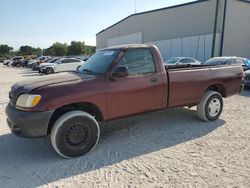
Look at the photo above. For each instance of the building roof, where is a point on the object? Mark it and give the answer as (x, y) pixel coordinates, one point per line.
(165, 8)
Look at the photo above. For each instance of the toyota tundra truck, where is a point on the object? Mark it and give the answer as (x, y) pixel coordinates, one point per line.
(115, 82)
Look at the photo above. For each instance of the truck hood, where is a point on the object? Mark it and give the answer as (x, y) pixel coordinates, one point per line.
(27, 86)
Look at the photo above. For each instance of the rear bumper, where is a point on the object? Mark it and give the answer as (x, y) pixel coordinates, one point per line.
(27, 124)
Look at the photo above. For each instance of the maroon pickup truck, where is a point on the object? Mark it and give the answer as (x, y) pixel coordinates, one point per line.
(115, 82)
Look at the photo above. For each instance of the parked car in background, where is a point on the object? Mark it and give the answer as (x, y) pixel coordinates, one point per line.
(246, 79)
(228, 61)
(245, 64)
(12, 60)
(182, 61)
(35, 64)
(18, 62)
(30, 63)
(61, 65)
(24, 63)
(220, 61)
(2, 59)
(49, 60)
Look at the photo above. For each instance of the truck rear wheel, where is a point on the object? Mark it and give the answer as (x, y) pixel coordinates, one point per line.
(210, 107)
(74, 134)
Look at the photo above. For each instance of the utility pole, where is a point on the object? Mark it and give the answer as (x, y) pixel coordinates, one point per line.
(215, 27)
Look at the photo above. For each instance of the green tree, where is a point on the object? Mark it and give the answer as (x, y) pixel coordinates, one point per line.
(5, 50)
(39, 51)
(76, 48)
(28, 50)
(89, 50)
(60, 49)
(25, 50)
(49, 51)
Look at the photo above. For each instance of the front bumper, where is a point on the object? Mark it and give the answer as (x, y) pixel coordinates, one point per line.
(41, 70)
(34, 68)
(28, 124)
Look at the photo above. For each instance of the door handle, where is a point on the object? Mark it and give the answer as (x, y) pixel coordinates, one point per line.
(153, 80)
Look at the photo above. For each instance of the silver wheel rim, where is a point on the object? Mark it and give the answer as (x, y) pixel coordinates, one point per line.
(49, 71)
(214, 107)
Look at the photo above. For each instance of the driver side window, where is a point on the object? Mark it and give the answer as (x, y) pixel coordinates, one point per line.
(64, 61)
(138, 61)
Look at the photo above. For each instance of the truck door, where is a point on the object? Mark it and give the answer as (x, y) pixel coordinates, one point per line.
(140, 91)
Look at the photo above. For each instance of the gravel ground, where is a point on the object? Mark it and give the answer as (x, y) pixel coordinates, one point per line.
(170, 148)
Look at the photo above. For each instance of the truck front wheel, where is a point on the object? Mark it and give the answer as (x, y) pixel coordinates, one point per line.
(210, 107)
(74, 134)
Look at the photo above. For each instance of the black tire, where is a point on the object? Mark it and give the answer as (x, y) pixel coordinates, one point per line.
(246, 87)
(49, 70)
(210, 107)
(74, 134)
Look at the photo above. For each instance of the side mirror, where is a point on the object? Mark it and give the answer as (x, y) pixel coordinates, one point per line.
(120, 71)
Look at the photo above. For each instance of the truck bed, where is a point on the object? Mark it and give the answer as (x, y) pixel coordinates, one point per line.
(187, 83)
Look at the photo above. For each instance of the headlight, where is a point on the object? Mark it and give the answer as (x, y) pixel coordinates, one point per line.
(28, 101)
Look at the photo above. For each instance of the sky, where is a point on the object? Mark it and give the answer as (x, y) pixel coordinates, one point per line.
(40, 23)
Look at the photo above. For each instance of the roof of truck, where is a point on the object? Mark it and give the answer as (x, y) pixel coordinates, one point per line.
(129, 46)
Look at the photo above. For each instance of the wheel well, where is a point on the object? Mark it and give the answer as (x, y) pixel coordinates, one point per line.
(90, 108)
(219, 88)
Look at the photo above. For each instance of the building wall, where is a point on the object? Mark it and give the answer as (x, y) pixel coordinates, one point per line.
(189, 20)
(198, 47)
(237, 29)
(125, 39)
(180, 31)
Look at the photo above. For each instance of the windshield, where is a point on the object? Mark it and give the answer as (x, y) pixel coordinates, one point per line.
(53, 60)
(172, 60)
(216, 61)
(99, 62)
(58, 60)
(47, 60)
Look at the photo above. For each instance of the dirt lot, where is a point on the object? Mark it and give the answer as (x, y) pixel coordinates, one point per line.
(171, 148)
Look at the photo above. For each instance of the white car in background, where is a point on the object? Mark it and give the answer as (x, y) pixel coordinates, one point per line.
(61, 65)
(182, 61)
(41, 58)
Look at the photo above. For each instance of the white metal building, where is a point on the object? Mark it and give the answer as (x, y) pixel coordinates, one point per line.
(187, 30)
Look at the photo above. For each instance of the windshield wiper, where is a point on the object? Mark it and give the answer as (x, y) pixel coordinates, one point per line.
(89, 71)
